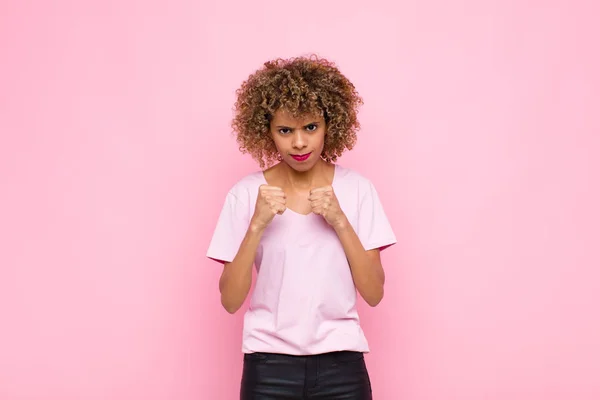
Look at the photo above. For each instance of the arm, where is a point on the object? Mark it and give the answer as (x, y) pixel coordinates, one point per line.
(236, 277)
(367, 271)
(366, 268)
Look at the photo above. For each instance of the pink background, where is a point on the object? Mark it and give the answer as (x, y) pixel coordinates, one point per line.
(481, 130)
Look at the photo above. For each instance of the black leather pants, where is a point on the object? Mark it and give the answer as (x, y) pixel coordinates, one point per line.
(331, 376)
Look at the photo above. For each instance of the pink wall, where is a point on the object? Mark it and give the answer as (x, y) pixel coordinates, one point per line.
(481, 130)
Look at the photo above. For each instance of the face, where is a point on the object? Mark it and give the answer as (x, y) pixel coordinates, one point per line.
(299, 141)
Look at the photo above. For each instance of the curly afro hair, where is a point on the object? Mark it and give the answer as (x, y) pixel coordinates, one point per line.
(302, 86)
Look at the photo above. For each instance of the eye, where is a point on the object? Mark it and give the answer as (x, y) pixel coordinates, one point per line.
(284, 131)
(311, 127)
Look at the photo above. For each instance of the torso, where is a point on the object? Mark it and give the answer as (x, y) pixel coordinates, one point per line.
(304, 298)
(296, 197)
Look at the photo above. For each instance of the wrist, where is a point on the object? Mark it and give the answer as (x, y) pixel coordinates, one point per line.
(256, 227)
(341, 223)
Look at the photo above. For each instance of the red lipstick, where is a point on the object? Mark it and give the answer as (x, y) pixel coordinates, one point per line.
(301, 157)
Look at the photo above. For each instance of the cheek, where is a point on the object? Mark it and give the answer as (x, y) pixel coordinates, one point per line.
(276, 142)
(322, 141)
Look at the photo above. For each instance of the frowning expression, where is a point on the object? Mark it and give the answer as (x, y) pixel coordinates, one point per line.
(299, 141)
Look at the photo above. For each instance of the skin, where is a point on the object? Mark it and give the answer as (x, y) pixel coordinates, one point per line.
(303, 187)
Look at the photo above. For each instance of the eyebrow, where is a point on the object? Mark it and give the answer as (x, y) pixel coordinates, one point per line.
(311, 123)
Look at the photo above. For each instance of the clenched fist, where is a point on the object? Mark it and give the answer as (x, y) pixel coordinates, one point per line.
(324, 202)
(269, 202)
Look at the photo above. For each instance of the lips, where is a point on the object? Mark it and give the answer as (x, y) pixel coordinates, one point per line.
(301, 157)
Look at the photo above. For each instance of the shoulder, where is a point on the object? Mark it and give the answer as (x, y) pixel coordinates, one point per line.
(351, 181)
(246, 188)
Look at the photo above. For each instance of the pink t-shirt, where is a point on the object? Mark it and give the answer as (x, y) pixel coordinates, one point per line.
(304, 299)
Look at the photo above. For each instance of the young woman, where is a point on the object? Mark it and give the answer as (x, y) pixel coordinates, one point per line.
(312, 228)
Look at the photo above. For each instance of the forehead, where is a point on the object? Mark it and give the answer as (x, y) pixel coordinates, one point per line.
(284, 117)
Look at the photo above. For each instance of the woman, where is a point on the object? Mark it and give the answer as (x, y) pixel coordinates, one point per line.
(314, 230)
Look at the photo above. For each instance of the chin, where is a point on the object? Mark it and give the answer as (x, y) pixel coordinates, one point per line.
(303, 166)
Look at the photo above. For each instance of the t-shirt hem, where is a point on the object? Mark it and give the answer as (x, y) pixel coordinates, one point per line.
(367, 351)
(219, 259)
(381, 244)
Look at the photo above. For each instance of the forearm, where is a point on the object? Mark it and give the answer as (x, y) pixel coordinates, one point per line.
(236, 279)
(367, 271)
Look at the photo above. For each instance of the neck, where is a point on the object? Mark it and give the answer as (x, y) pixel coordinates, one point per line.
(303, 180)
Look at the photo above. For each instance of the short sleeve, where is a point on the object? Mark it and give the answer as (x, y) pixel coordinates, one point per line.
(374, 229)
(230, 230)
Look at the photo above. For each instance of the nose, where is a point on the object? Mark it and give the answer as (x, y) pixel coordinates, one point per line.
(299, 140)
